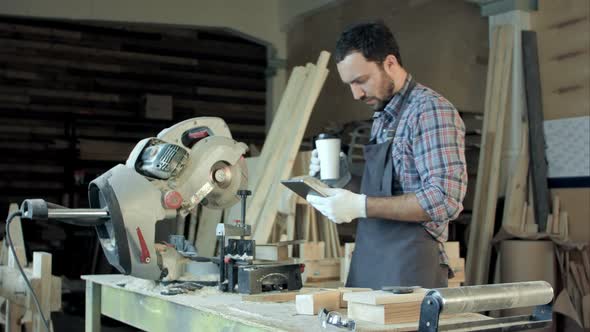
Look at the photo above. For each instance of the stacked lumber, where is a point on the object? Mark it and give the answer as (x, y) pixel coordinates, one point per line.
(385, 307)
(487, 187)
(282, 144)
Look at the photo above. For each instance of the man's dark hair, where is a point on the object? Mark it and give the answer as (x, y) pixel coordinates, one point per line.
(373, 40)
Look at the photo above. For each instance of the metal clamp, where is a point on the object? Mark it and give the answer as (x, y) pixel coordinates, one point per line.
(334, 320)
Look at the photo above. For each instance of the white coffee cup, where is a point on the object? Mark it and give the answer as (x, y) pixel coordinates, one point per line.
(328, 147)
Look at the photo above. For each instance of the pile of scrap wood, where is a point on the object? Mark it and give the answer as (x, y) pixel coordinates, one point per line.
(574, 299)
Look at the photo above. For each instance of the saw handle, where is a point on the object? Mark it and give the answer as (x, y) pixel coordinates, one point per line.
(39, 209)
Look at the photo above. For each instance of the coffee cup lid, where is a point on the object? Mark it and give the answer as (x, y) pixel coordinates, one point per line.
(326, 136)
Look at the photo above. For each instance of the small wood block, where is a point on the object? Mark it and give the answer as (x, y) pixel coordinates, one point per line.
(459, 276)
(321, 270)
(457, 263)
(312, 250)
(393, 313)
(278, 297)
(549, 227)
(452, 249)
(563, 224)
(531, 228)
(344, 303)
(382, 297)
(272, 252)
(310, 304)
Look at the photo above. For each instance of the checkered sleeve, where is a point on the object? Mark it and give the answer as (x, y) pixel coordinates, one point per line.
(439, 150)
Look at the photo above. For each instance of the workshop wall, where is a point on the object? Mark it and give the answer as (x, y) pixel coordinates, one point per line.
(563, 30)
(444, 44)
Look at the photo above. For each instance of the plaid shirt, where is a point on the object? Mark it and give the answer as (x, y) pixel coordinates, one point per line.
(428, 154)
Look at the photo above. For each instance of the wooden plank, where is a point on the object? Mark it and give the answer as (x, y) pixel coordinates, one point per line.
(300, 114)
(581, 276)
(321, 270)
(536, 135)
(586, 310)
(277, 297)
(313, 223)
(326, 235)
(382, 297)
(335, 240)
(563, 224)
(55, 294)
(312, 250)
(500, 108)
(345, 261)
(310, 304)
(14, 315)
(395, 313)
(276, 141)
(516, 190)
(485, 150)
(261, 187)
(207, 223)
(452, 249)
(272, 252)
(489, 164)
(42, 271)
(343, 290)
(555, 215)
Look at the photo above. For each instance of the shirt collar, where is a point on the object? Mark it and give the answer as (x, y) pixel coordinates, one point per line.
(393, 105)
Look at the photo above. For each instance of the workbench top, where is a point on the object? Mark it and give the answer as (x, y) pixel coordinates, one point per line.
(128, 299)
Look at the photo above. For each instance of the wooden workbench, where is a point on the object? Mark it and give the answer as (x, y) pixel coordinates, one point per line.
(139, 303)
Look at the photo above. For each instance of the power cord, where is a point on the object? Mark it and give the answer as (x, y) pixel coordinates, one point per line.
(20, 268)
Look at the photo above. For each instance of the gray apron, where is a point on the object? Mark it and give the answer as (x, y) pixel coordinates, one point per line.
(388, 252)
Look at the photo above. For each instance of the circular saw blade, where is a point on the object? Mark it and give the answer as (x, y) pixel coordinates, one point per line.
(224, 193)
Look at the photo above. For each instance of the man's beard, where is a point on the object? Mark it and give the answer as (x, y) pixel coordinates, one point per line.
(381, 103)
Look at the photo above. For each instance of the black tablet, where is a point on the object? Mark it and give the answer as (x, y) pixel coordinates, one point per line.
(305, 185)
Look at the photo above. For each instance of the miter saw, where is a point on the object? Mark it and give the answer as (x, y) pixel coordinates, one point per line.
(193, 162)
